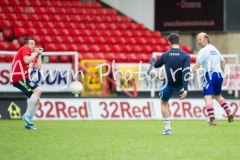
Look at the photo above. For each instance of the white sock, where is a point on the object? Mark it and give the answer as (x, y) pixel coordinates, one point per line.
(34, 111)
(31, 104)
(166, 122)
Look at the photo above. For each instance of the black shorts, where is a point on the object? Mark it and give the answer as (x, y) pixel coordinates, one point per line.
(26, 86)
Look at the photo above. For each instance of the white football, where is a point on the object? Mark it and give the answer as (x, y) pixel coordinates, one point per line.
(76, 87)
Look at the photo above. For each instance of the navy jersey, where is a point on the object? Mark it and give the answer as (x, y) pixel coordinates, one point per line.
(177, 66)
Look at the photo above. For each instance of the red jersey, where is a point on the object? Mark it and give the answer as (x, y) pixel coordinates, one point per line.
(19, 68)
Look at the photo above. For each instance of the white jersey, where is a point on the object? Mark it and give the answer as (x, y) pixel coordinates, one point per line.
(210, 58)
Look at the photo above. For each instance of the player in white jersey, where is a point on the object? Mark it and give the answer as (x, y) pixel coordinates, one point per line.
(210, 59)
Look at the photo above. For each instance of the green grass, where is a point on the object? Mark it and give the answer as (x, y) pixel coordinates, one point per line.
(119, 140)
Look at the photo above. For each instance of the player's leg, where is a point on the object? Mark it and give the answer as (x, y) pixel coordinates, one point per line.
(165, 95)
(208, 91)
(221, 100)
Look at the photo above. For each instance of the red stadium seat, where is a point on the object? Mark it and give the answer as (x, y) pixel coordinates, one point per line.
(50, 10)
(50, 47)
(115, 48)
(116, 18)
(53, 58)
(9, 58)
(94, 48)
(37, 24)
(157, 48)
(44, 17)
(131, 26)
(146, 33)
(46, 3)
(31, 31)
(193, 59)
(8, 9)
(111, 11)
(1, 38)
(87, 56)
(86, 18)
(19, 31)
(126, 33)
(57, 4)
(76, 4)
(91, 11)
(3, 16)
(14, 2)
(63, 32)
(120, 57)
(28, 24)
(84, 32)
(136, 33)
(140, 26)
(70, 25)
(55, 18)
(130, 40)
(57, 39)
(136, 49)
(81, 11)
(29, 10)
(106, 19)
(111, 26)
(14, 46)
(104, 48)
(156, 34)
(100, 26)
(80, 26)
(96, 18)
(73, 47)
(4, 46)
(36, 38)
(126, 48)
(131, 57)
(110, 56)
(78, 40)
(48, 25)
(8, 33)
(4, 2)
(36, 3)
(39, 10)
(142, 57)
(120, 40)
(115, 33)
(18, 9)
(53, 31)
(99, 55)
(105, 33)
(22, 17)
(67, 4)
(4, 24)
(151, 40)
(58, 25)
(146, 49)
(83, 48)
(89, 40)
(96, 5)
(65, 18)
(187, 49)
(141, 40)
(165, 48)
(42, 31)
(110, 40)
(125, 19)
(99, 40)
(16, 24)
(46, 39)
(75, 18)
(121, 26)
(64, 58)
(12, 16)
(86, 4)
(60, 10)
(101, 11)
(67, 39)
(95, 33)
(2, 58)
(161, 41)
(33, 17)
(25, 3)
(62, 47)
(71, 10)
(90, 26)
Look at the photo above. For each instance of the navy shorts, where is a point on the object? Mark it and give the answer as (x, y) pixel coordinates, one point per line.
(166, 93)
(212, 83)
(26, 86)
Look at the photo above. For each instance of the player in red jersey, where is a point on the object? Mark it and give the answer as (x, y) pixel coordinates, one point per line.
(28, 57)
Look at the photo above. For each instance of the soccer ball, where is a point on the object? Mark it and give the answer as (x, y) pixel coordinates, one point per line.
(76, 87)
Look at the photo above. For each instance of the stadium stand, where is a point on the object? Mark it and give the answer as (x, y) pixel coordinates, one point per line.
(86, 27)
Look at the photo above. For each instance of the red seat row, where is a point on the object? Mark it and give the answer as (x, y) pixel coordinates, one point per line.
(47, 3)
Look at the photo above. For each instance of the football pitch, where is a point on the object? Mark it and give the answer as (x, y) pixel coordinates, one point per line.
(119, 140)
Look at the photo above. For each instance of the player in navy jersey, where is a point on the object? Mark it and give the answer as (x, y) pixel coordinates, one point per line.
(210, 59)
(177, 70)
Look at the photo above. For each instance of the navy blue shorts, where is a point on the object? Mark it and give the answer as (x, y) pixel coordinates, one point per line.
(166, 93)
(26, 86)
(212, 83)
